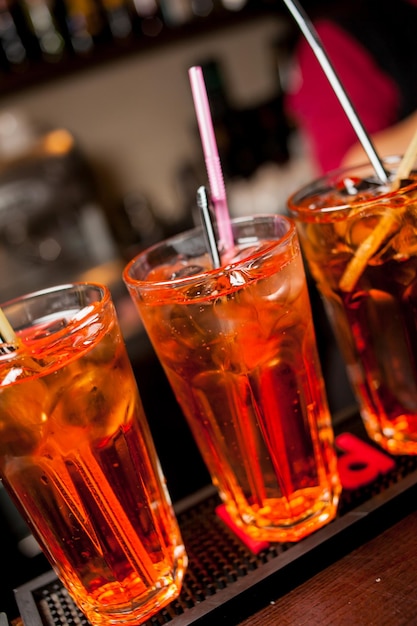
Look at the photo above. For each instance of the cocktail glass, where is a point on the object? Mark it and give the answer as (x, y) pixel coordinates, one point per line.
(77, 458)
(360, 242)
(238, 347)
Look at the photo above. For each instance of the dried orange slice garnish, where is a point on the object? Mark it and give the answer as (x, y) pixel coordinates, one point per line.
(368, 248)
(371, 244)
(6, 331)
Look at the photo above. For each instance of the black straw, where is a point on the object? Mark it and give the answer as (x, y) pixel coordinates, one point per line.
(208, 227)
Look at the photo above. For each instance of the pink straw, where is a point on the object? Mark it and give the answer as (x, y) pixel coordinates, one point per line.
(211, 156)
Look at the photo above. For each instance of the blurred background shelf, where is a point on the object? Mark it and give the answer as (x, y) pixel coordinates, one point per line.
(41, 41)
(99, 151)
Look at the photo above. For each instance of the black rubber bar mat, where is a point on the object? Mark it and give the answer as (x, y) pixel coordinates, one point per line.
(226, 582)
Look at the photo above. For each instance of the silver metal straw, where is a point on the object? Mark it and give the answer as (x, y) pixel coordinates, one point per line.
(203, 205)
(310, 33)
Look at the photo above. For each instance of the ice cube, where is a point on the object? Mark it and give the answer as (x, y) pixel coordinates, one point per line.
(283, 286)
(197, 326)
(187, 270)
(77, 396)
(23, 409)
(238, 278)
(203, 289)
(103, 351)
(246, 252)
(405, 243)
(179, 267)
(321, 236)
(354, 186)
(361, 225)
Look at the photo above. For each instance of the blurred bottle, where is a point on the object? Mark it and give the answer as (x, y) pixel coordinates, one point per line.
(136, 225)
(230, 125)
(188, 178)
(176, 12)
(221, 110)
(85, 24)
(246, 137)
(119, 18)
(234, 5)
(149, 20)
(13, 52)
(43, 25)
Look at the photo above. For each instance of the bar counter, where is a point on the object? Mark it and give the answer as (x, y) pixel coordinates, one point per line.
(375, 584)
(359, 569)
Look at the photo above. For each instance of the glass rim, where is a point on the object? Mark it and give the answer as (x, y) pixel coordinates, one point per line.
(24, 300)
(327, 182)
(32, 295)
(283, 240)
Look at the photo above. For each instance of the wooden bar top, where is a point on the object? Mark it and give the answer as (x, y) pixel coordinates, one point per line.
(374, 585)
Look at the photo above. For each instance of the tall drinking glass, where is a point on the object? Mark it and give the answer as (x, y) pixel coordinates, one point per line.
(237, 345)
(360, 241)
(77, 457)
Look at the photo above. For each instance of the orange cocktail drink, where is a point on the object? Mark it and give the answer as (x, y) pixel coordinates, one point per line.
(77, 457)
(360, 241)
(238, 347)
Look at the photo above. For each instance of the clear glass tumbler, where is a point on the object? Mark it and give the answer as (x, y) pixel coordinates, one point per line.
(77, 457)
(360, 241)
(238, 347)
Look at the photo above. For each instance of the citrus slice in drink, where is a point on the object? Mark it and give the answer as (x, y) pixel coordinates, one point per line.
(386, 226)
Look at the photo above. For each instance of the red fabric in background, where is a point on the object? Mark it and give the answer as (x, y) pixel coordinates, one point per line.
(312, 103)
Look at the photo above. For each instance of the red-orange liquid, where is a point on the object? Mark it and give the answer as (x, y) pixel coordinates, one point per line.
(376, 321)
(241, 358)
(76, 455)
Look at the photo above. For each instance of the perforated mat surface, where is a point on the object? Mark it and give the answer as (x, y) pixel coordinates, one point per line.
(225, 581)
